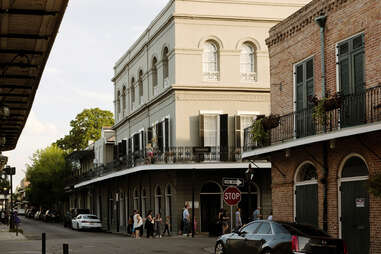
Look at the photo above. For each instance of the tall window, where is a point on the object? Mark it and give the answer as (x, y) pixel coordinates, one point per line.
(247, 62)
(124, 102)
(132, 93)
(136, 199)
(168, 201)
(165, 67)
(210, 61)
(154, 76)
(211, 130)
(118, 103)
(140, 87)
(144, 203)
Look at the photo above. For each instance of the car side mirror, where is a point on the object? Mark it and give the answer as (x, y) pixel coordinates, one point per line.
(242, 233)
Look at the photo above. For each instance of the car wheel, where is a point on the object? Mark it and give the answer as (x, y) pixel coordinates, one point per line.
(266, 252)
(220, 249)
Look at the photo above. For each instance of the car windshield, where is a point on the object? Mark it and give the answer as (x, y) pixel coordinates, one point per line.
(91, 217)
(297, 229)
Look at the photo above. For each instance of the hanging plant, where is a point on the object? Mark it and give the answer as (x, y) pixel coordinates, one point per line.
(323, 105)
(258, 133)
(375, 185)
(270, 122)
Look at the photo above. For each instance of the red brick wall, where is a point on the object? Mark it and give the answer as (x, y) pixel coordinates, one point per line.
(283, 186)
(298, 37)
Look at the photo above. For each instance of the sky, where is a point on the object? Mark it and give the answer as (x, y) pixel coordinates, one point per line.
(93, 35)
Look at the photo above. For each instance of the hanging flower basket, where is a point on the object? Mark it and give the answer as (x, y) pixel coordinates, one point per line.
(270, 122)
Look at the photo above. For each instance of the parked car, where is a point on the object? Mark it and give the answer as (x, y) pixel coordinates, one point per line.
(86, 221)
(51, 216)
(31, 212)
(271, 237)
(76, 211)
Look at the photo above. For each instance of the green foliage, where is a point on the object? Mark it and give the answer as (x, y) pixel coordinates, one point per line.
(47, 174)
(375, 185)
(319, 111)
(258, 132)
(86, 126)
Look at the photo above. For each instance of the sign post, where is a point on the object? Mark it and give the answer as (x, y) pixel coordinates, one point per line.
(232, 196)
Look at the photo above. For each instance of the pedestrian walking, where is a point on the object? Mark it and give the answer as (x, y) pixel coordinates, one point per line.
(186, 220)
(138, 226)
(167, 225)
(149, 224)
(130, 227)
(17, 222)
(238, 219)
(257, 213)
(158, 225)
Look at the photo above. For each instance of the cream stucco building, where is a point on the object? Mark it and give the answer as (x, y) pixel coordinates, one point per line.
(196, 77)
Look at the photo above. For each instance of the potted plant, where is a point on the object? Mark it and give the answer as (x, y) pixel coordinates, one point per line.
(323, 105)
(258, 133)
(270, 122)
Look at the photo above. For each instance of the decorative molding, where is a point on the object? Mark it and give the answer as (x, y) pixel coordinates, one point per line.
(302, 18)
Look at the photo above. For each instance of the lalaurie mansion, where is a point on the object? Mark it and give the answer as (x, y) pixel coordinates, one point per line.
(184, 93)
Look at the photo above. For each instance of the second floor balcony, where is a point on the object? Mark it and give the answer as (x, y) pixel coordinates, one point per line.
(350, 114)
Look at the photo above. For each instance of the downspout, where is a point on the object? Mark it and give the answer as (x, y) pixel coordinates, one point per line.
(321, 21)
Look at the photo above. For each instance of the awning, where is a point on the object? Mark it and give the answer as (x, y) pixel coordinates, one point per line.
(164, 167)
(28, 29)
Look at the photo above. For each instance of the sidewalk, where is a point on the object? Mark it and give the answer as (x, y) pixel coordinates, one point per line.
(6, 235)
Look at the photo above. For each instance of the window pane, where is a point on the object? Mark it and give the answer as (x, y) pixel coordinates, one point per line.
(299, 74)
(310, 69)
(210, 131)
(343, 48)
(358, 42)
(251, 228)
(265, 228)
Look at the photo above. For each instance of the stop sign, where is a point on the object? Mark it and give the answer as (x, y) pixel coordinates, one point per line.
(232, 195)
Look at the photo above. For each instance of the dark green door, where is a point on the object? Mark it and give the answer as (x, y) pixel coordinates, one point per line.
(352, 81)
(355, 216)
(307, 204)
(210, 205)
(304, 91)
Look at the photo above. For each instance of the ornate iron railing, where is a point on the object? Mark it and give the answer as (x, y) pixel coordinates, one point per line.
(355, 109)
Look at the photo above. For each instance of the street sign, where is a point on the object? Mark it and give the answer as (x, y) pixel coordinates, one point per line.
(239, 182)
(232, 195)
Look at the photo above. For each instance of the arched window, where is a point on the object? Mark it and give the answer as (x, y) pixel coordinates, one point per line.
(168, 201)
(306, 173)
(132, 92)
(124, 101)
(247, 62)
(136, 199)
(118, 103)
(210, 60)
(158, 198)
(165, 67)
(140, 87)
(154, 76)
(354, 167)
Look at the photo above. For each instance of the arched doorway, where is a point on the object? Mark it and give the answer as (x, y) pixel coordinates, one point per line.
(168, 202)
(250, 200)
(210, 199)
(306, 195)
(354, 205)
(158, 198)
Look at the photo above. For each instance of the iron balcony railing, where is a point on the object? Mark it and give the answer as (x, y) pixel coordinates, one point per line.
(355, 109)
(172, 155)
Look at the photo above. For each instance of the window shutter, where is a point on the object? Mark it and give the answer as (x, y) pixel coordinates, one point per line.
(124, 147)
(201, 129)
(358, 72)
(130, 146)
(149, 135)
(224, 142)
(136, 142)
(115, 152)
(159, 134)
(299, 88)
(120, 149)
(237, 127)
(166, 134)
(142, 140)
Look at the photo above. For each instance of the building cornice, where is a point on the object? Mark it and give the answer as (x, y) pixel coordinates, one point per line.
(245, 2)
(303, 18)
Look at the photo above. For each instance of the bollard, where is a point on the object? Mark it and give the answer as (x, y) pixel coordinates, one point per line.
(65, 248)
(43, 243)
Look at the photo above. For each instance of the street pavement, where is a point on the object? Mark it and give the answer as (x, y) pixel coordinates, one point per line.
(98, 242)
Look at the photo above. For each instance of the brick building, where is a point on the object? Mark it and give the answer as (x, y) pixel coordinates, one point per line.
(323, 153)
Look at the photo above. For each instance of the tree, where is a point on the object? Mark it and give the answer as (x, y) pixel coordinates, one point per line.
(47, 174)
(86, 126)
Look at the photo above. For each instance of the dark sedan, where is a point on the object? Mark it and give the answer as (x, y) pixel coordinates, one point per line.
(272, 237)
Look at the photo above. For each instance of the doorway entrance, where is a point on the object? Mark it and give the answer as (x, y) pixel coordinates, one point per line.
(354, 198)
(210, 204)
(306, 195)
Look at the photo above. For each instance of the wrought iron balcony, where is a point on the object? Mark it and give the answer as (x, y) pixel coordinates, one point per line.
(171, 155)
(353, 110)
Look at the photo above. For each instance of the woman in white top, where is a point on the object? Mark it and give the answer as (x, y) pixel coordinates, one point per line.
(138, 224)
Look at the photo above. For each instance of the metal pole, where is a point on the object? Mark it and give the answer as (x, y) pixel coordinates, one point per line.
(11, 224)
(43, 249)
(231, 219)
(65, 248)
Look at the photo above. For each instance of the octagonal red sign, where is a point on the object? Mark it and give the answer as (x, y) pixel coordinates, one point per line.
(232, 195)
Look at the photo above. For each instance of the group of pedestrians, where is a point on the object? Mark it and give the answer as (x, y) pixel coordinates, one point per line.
(152, 224)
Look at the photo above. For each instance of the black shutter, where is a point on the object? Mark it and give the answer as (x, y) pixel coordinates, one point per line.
(136, 143)
(166, 134)
(149, 135)
(115, 155)
(143, 140)
(129, 145)
(120, 152)
(201, 129)
(237, 131)
(159, 135)
(224, 142)
(124, 147)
